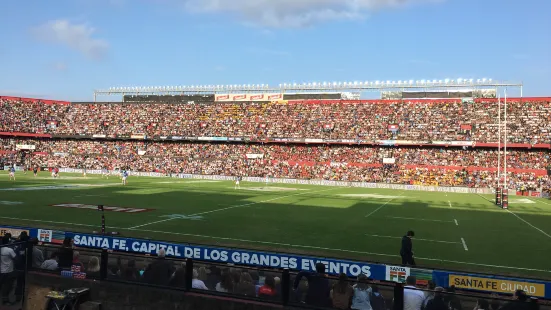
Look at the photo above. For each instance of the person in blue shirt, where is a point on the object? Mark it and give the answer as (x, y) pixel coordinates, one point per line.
(12, 173)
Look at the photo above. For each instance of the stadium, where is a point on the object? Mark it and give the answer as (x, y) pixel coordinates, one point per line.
(304, 170)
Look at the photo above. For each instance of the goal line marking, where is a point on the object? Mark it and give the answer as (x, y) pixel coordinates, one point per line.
(291, 245)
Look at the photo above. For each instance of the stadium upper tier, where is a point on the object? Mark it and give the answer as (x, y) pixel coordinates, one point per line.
(420, 121)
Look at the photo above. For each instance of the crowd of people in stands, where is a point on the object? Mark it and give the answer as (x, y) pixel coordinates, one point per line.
(412, 165)
(529, 121)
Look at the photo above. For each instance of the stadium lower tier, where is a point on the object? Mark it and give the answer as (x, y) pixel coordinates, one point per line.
(405, 165)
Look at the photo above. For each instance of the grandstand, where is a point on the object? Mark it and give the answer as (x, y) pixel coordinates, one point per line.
(326, 172)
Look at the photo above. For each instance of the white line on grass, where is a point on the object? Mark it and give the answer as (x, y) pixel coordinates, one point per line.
(538, 201)
(233, 207)
(464, 244)
(291, 245)
(43, 221)
(520, 218)
(456, 223)
(416, 219)
(428, 240)
(383, 205)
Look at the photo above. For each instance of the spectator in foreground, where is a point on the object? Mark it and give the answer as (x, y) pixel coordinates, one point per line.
(482, 304)
(377, 299)
(76, 260)
(7, 270)
(429, 294)
(38, 255)
(226, 283)
(178, 279)
(342, 293)
(413, 297)
(246, 285)
(50, 264)
(130, 273)
(518, 302)
(268, 290)
(93, 267)
(452, 300)
(362, 294)
(196, 283)
(66, 254)
(318, 286)
(437, 302)
(159, 271)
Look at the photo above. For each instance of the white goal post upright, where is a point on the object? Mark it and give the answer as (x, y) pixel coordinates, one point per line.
(498, 140)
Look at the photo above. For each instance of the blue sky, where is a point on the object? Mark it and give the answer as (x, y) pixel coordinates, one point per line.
(65, 49)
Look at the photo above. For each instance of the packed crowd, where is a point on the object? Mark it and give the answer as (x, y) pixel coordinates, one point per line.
(529, 121)
(412, 165)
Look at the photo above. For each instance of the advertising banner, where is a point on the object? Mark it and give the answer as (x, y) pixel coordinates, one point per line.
(212, 139)
(254, 156)
(397, 273)
(15, 232)
(389, 160)
(24, 147)
(138, 136)
(496, 285)
(233, 256)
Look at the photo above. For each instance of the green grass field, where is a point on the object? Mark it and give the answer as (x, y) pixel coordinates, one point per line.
(453, 231)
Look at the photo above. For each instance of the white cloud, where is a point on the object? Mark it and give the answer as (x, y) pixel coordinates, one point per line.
(59, 66)
(295, 13)
(78, 37)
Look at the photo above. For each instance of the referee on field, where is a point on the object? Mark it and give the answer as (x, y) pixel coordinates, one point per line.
(407, 249)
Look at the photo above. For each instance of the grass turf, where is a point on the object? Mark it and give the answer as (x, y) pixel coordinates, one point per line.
(353, 223)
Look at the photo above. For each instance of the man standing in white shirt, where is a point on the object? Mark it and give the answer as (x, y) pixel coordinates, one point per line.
(413, 297)
(7, 275)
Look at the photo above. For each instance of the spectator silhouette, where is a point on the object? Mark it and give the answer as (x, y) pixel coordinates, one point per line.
(318, 286)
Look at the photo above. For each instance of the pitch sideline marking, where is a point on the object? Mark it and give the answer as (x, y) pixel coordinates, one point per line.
(291, 245)
(384, 205)
(416, 219)
(464, 244)
(232, 207)
(428, 240)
